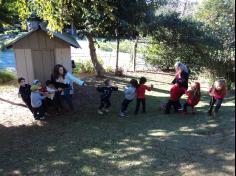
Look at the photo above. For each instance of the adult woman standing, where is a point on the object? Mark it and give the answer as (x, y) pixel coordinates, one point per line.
(182, 75)
(63, 81)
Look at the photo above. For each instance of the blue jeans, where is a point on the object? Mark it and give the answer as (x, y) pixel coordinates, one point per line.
(217, 102)
(68, 98)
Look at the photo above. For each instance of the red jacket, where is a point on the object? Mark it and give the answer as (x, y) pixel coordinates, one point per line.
(141, 90)
(192, 100)
(218, 94)
(176, 92)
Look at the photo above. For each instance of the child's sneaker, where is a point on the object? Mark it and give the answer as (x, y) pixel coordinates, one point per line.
(100, 112)
(122, 114)
(163, 106)
(42, 118)
(106, 110)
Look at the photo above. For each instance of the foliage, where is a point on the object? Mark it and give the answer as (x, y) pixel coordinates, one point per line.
(6, 76)
(84, 67)
(179, 39)
(220, 16)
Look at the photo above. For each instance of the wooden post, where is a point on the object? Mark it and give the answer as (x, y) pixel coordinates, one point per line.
(135, 54)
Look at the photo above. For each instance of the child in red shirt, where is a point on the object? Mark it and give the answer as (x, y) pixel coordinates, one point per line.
(175, 93)
(217, 92)
(194, 96)
(141, 90)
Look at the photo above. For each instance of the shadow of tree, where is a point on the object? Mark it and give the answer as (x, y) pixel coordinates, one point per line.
(152, 144)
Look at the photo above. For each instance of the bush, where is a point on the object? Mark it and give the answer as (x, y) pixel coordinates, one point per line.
(6, 76)
(110, 70)
(105, 46)
(84, 67)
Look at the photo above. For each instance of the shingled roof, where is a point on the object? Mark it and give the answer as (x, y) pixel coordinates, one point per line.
(62, 36)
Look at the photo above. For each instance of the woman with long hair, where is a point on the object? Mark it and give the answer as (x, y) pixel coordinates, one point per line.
(63, 81)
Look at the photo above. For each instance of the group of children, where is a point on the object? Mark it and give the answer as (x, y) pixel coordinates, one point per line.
(137, 90)
(36, 97)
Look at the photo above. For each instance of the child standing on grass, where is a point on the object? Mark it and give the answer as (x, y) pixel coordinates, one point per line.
(217, 92)
(130, 93)
(106, 92)
(141, 91)
(37, 103)
(24, 93)
(54, 95)
(175, 93)
(194, 96)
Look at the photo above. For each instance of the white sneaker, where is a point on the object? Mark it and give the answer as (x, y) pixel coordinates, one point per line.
(100, 112)
(106, 110)
(122, 114)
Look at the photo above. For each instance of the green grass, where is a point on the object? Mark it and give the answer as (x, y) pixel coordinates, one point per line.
(153, 144)
(6, 76)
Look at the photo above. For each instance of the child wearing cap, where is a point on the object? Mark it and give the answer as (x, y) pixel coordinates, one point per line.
(37, 103)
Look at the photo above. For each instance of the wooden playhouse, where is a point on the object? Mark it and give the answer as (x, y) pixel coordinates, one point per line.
(36, 53)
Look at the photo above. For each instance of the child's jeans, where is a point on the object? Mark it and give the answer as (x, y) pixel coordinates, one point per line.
(217, 102)
(125, 105)
(39, 112)
(105, 103)
(28, 103)
(139, 101)
(68, 98)
(171, 103)
(186, 105)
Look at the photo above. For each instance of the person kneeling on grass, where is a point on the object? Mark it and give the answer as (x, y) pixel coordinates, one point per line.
(175, 94)
(141, 91)
(130, 94)
(106, 92)
(217, 92)
(194, 96)
(37, 103)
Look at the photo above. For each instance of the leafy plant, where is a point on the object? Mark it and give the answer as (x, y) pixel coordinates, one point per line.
(6, 76)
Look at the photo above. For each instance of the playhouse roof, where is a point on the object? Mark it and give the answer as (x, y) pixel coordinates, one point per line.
(62, 36)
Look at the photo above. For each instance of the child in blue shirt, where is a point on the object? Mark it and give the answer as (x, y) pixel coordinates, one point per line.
(130, 95)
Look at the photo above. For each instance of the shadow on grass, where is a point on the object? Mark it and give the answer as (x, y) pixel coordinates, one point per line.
(151, 144)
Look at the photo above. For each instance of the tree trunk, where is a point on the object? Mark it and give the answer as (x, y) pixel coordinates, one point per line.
(135, 54)
(100, 71)
(117, 55)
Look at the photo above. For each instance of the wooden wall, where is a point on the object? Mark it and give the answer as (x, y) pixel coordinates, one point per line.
(24, 65)
(63, 57)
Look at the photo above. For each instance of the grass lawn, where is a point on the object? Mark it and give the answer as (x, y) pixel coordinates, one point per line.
(87, 144)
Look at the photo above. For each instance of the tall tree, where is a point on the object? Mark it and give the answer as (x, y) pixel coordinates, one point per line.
(90, 17)
(220, 16)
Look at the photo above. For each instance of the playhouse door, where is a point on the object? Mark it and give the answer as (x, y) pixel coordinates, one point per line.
(43, 63)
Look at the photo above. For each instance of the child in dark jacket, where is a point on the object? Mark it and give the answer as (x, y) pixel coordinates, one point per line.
(175, 93)
(106, 92)
(24, 93)
(141, 91)
(194, 96)
(130, 94)
(217, 92)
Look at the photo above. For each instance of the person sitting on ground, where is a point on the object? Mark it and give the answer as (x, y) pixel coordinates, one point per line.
(217, 92)
(54, 95)
(141, 91)
(106, 92)
(175, 93)
(37, 103)
(63, 80)
(24, 93)
(194, 96)
(130, 94)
